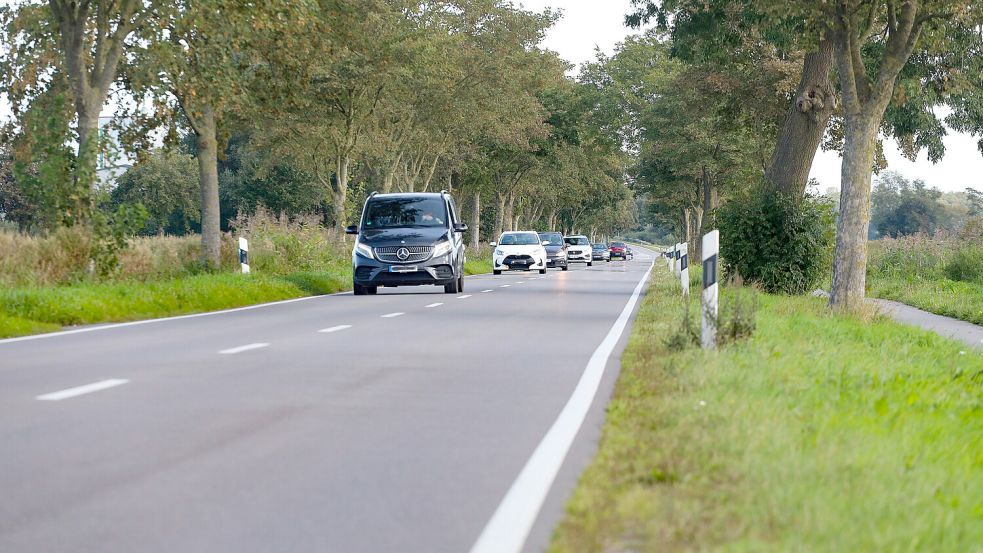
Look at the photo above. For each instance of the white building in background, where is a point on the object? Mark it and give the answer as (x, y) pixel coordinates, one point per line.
(115, 162)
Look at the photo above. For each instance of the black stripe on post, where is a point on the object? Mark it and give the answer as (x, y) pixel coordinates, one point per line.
(243, 257)
(709, 271)
(684, 262)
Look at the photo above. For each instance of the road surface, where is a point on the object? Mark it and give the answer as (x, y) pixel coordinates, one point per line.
(398, 422)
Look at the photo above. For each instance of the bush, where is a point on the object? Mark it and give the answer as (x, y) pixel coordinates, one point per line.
(966, 265)
(783, 245)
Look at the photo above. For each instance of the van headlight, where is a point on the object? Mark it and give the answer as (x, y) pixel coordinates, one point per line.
(364, 250)
(442, 248)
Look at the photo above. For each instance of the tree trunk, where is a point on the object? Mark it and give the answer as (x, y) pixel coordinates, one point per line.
(340, 192)
(389, 177)
(509, 207)
(433, 167)
(211, 230)
(499, 216)
(805, 124)
(475, 227)
(551, 220)
(850, 262)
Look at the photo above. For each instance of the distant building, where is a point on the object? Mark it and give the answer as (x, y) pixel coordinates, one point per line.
(114, 163)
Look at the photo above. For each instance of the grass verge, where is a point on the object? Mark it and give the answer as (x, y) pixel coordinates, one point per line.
(960, 300)
(32, 310)
(819, 433)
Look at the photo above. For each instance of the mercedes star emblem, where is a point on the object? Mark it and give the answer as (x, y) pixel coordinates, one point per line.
(402, 253)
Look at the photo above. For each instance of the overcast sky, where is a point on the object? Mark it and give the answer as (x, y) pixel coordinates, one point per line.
(590, 24)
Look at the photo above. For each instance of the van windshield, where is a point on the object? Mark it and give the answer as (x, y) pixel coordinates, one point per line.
(384, 213)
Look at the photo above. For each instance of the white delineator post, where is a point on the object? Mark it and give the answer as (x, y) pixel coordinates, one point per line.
(684, 268)
(244, 255)
(711, 292)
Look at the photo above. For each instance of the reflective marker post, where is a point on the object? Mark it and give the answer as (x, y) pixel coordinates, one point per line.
(675, 260)
(684, 268)
(244, 255)
(711, 247)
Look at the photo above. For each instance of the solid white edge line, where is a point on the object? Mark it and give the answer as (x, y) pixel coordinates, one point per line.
(509, 526)
(247, 347)
(335, 328)
(391, 315)
(80, 390)
(438, 304)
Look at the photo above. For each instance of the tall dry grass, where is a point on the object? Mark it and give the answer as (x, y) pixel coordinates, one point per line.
(949, 255)
(278, 246)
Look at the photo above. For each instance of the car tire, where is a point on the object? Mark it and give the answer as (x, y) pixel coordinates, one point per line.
(358, 290)
(566, 267)
(452, 288)
(371, 290)
(460, 283)
(496, 272)
(590, 264)
(542, 271)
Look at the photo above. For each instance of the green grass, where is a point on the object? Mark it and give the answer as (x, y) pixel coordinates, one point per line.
(961, 300)
(31, 310)
(820, 433)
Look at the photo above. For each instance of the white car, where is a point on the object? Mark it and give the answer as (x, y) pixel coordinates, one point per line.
(522, 251)
(579, 249)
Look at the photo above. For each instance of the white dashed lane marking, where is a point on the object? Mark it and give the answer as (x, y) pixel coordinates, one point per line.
(335, 328)
(247, 347)
(391, 315)
(438, 304)
(81, 390)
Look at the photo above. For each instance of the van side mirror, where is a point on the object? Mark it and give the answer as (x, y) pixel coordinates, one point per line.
(460, 227)
(351, 229)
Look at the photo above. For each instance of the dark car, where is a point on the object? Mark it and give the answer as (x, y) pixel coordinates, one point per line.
(619, 249)
(556, 250)
(600, 252)
(408, 240)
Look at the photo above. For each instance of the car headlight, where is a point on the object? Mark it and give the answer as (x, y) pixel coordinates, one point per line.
(442, 248)
(499, 252)
(561, 253)
(364, 250)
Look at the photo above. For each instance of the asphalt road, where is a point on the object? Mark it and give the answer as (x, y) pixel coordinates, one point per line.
(398, 422)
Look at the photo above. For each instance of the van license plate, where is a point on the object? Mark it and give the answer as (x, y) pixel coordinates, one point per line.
(403, 268)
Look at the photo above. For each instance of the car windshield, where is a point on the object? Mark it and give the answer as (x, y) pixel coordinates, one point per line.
(576, 241)
(519, 239)
(600, 247)
(554, 238)
(405, 212)
(617, 244)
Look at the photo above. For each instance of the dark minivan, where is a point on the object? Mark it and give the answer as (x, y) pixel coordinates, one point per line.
(408, 239)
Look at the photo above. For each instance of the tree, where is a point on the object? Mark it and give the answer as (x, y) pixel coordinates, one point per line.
(192, 63)
(81, 40)
(165, 182)
(900, 207)
(721, 33)
(975, 198)
(895, 30)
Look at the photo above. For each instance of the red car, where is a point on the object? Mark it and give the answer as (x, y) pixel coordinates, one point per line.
(619, 249)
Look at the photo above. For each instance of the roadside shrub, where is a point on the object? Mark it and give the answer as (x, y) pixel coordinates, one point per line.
(738, 315)
(783, 245)
(966, 265)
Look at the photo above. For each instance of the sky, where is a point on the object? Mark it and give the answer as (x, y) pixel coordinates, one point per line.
(588, 25)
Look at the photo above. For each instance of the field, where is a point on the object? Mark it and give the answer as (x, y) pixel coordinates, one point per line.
(943, 274)
(819, 433)
(47, 283)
